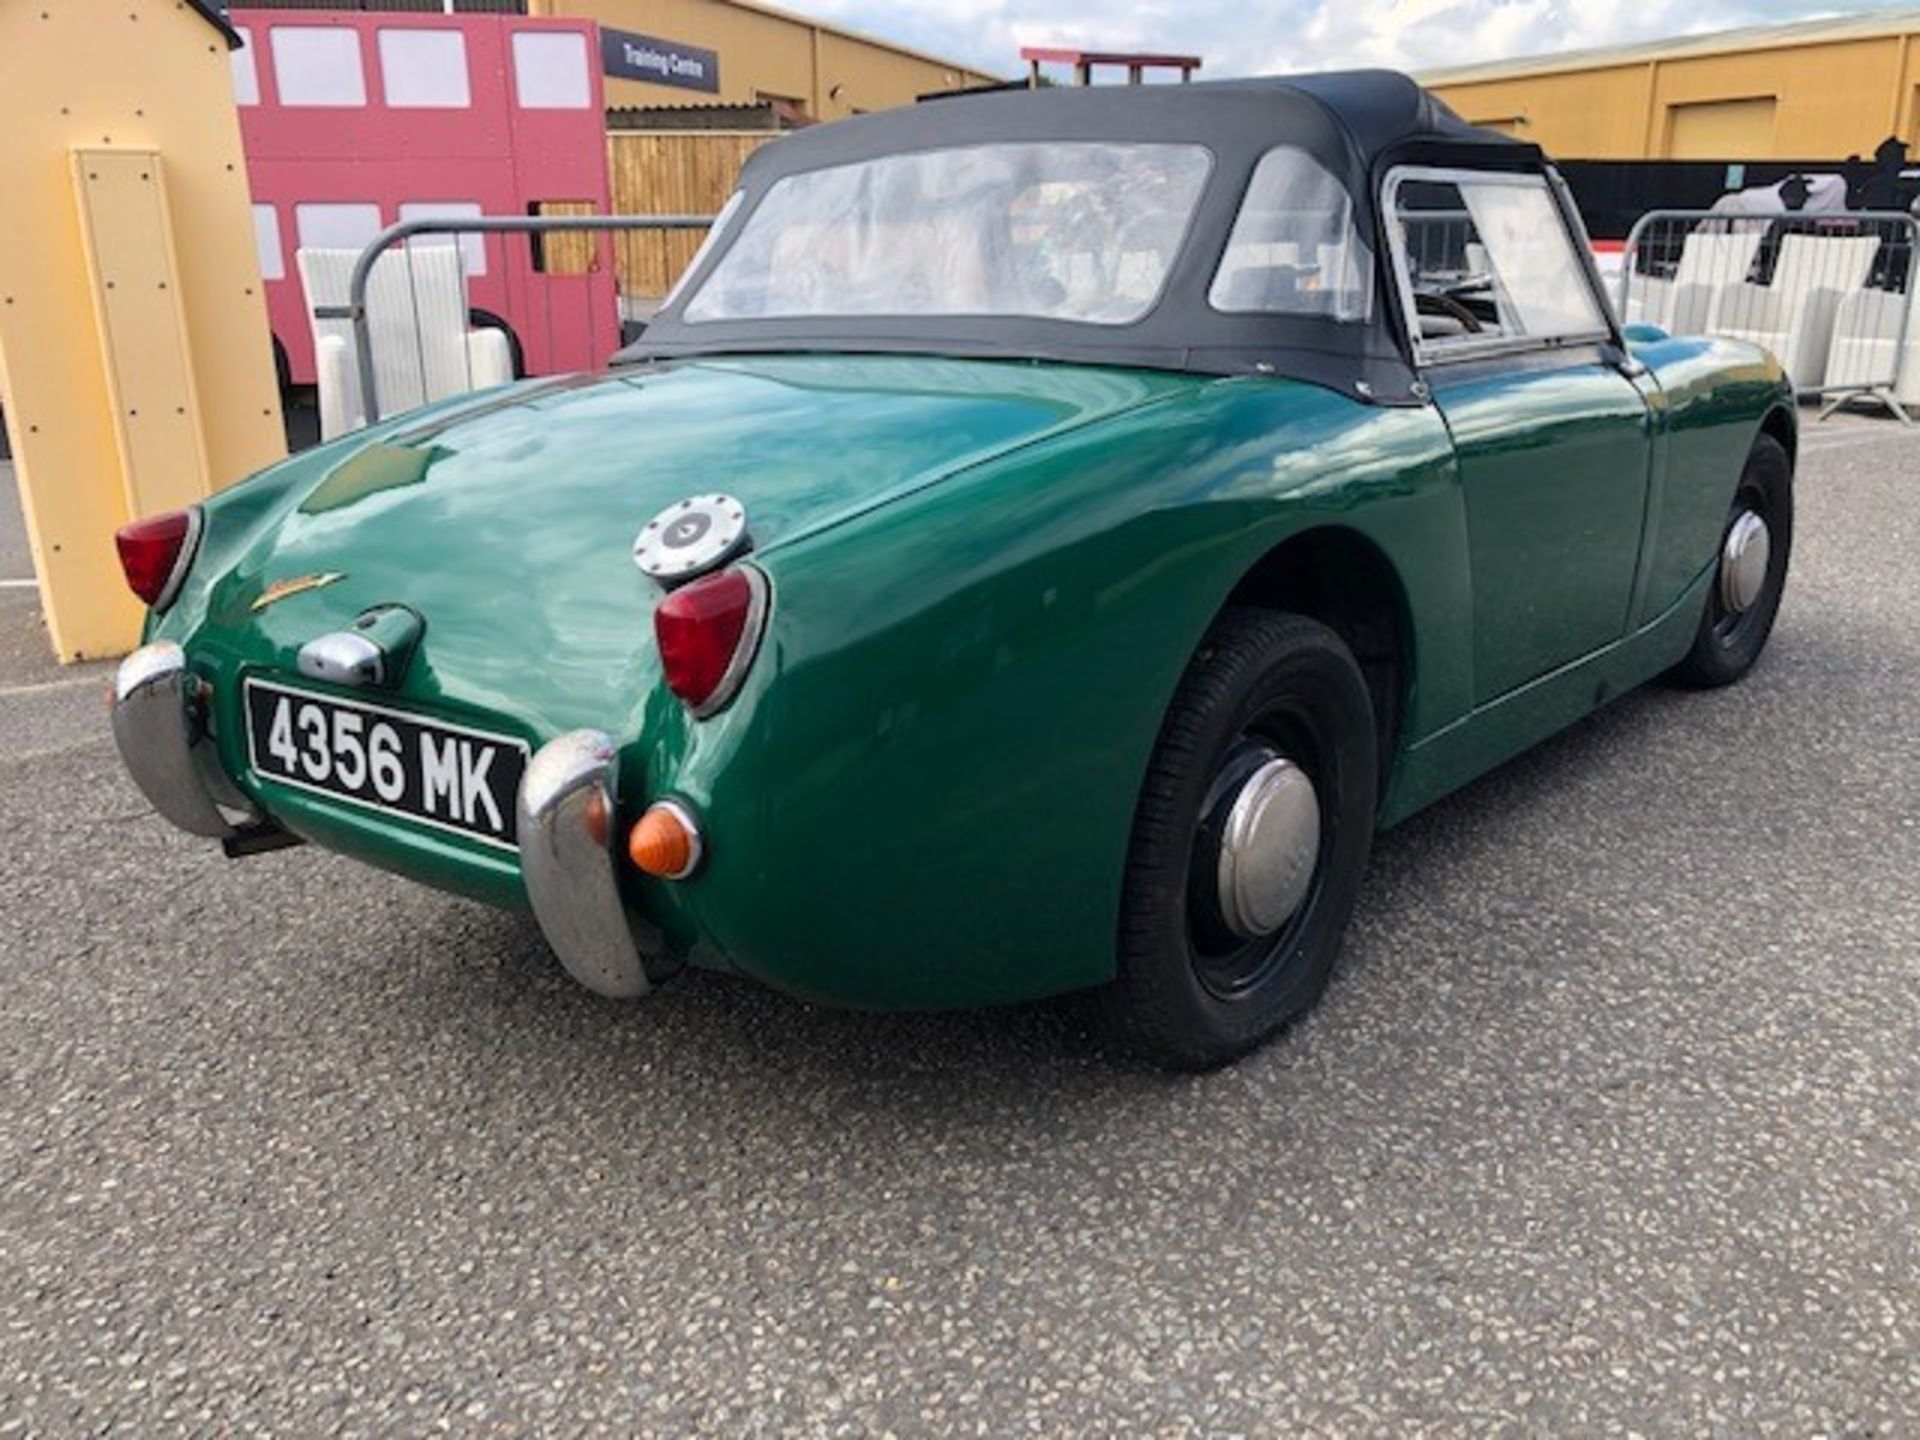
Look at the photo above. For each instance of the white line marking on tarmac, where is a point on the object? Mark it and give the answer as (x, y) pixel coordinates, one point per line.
(1820, 444)
(48, 687)
(10, 584)
(10, 760)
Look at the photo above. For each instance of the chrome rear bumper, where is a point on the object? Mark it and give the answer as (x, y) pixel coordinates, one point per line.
(160, 725)
(567, 863)
(566, 813)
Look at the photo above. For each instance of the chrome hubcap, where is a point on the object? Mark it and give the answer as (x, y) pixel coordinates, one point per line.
(1269, 848)
(1743, 562)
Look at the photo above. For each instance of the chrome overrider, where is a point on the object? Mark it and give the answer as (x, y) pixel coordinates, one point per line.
(160, 725)
(566, 815)
(566, 812)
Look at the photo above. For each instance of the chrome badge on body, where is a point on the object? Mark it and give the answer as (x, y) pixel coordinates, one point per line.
(691, 537)
(298, 585)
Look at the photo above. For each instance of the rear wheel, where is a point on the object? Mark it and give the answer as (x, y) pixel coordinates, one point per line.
(1248, 844)
(1750, 574)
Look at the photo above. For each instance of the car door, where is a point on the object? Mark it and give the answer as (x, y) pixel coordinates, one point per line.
(1551, 435)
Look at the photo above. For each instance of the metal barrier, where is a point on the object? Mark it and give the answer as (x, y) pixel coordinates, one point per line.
(1441, 242)
(1830, 294)
(579, 277)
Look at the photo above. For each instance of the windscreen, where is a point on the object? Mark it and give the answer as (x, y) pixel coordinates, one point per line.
(1076, 231)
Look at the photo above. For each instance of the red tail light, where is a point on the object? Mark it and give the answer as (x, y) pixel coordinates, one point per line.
(156, 552)
(708, 631)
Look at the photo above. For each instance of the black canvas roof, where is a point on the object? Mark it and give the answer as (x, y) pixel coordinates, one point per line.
(1355, 123)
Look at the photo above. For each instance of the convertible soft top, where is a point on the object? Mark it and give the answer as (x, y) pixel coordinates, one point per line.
(1356, 124)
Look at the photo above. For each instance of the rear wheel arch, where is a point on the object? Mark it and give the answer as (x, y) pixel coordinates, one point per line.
(1345, 581)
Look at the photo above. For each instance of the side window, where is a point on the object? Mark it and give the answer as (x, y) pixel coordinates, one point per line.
(1294, 249)
(266, 241)
(550, 70)
(711, 239)
(424, 69)
(318, 65)
(335, 227)
(562, 252)
(1487, 258)
(473, 245)
(246, 74)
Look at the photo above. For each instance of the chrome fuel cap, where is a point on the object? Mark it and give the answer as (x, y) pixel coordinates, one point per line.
(691, 537)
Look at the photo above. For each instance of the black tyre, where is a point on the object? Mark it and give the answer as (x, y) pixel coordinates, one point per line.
(1248, 845)
(1750, 573)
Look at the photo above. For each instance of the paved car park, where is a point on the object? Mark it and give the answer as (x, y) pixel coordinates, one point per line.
(1608, 1125)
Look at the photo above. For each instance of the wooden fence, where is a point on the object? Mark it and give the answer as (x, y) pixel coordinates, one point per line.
(670, 172)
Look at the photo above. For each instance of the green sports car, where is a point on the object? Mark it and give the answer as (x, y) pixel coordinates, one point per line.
(1042, 539)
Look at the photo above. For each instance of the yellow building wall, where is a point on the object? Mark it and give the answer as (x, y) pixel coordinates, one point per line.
(142, 89)
(1830, 99)
(856, 76)
(831, 74)
(1579, 115)
(1715, 129)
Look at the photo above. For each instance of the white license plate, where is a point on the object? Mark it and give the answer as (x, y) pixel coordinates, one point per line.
(446, 776)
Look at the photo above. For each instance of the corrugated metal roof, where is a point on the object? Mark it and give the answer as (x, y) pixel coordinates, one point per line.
(772, 116)
(1861, 25)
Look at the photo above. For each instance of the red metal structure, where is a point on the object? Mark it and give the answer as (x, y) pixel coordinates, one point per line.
(352, 121)
(1084, 62)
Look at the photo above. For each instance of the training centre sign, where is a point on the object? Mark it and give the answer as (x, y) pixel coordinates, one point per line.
(659, 62)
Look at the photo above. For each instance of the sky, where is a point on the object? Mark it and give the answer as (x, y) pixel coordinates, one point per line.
(1248, 37)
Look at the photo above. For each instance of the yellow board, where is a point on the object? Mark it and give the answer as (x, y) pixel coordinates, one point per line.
(141, 328)
(118, 84)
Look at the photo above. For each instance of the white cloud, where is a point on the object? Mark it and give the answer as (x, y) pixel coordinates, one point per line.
(1240, 37)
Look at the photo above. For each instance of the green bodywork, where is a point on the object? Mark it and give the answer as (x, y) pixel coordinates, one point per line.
(987, 579)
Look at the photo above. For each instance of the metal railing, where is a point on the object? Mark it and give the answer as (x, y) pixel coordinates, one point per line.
(554, 278)
(1441, 242)
(1831, 295)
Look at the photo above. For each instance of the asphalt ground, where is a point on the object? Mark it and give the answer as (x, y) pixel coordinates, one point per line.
(1607, 1126)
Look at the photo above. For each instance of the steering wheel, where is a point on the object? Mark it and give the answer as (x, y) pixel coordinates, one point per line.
(1440, 302)
(1480, 284)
